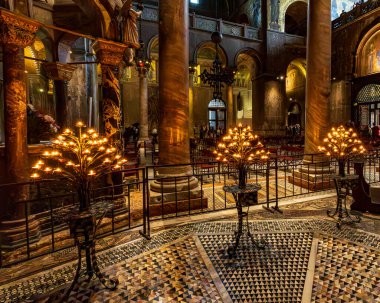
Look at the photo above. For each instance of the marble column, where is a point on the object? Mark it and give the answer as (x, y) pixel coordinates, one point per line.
(173, 133)
(174, 82)
(230, 107)
(16, 32)
(143, 69)
(110, 55)
(318, 86)
(318, 83)
(61, 74)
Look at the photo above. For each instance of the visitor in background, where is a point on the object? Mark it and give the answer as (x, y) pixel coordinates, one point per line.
(375, 131)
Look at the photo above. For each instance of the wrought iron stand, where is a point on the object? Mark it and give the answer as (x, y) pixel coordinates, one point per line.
(343, 185)
(83, 227)
(243, 197)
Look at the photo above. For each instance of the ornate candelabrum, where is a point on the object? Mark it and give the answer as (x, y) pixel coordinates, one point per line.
(81, 158)
(242, 148)
(342, 144)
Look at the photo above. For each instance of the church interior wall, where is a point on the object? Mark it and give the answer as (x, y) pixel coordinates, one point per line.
(344, 47)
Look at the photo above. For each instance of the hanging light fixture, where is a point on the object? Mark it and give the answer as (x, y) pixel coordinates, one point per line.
(218, 74)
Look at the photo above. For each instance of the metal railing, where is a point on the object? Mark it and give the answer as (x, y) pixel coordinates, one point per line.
(145, 197)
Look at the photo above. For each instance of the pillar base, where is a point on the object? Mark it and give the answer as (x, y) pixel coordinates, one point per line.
(13, 233)
(175, 191)
(315, 177)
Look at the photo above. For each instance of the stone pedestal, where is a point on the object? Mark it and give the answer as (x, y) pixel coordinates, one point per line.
(61, 74)
(16, 32)
(313, 177)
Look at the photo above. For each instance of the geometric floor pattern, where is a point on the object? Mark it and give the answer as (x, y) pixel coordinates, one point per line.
(346, 272)
(275, 273)
(188, 263)
(173, 273)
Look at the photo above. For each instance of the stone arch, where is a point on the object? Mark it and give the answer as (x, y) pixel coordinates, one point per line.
(47, 40)
(211, 46)
(153, 47)
(295, 89)
(284, 5)
(254, 55)
(368, 51)
(296, 19)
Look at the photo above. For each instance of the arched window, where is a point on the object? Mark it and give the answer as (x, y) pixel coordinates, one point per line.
(369, 56)
(217, 114)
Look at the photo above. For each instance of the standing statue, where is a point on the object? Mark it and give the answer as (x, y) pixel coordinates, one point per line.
(274, 11)
(129, 30)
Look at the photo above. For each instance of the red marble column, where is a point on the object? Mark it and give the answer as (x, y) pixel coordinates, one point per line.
(16, 32)
(110, 55)
(174, 82)
(318, 83)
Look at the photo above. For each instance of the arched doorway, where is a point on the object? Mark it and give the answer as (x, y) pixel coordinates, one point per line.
(296, 19)
(217, 115)
(248, 67)
(295, 92)
(294, 114)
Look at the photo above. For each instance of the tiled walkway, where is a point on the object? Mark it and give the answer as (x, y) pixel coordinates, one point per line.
(306, 259)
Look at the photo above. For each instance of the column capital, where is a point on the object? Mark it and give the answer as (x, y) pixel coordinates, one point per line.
(16, 30)
(59, 71)
(109, 52)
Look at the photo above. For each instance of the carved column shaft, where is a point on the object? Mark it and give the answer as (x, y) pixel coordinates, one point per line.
(110, 55)
(174, 82)
(16, 149)
(16, 32)
(318, 83)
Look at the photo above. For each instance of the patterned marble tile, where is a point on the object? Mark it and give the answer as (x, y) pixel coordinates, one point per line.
(45, 281)
(345, 272)
(172, 273)
(273, 274)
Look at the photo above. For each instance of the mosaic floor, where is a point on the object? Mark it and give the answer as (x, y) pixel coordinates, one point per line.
(304, 260)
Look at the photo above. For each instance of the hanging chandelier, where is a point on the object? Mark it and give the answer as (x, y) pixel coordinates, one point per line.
(218, 75)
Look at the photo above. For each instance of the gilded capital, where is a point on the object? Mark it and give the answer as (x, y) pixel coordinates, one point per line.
(17, 30)
(59, 71)
(109, 52)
